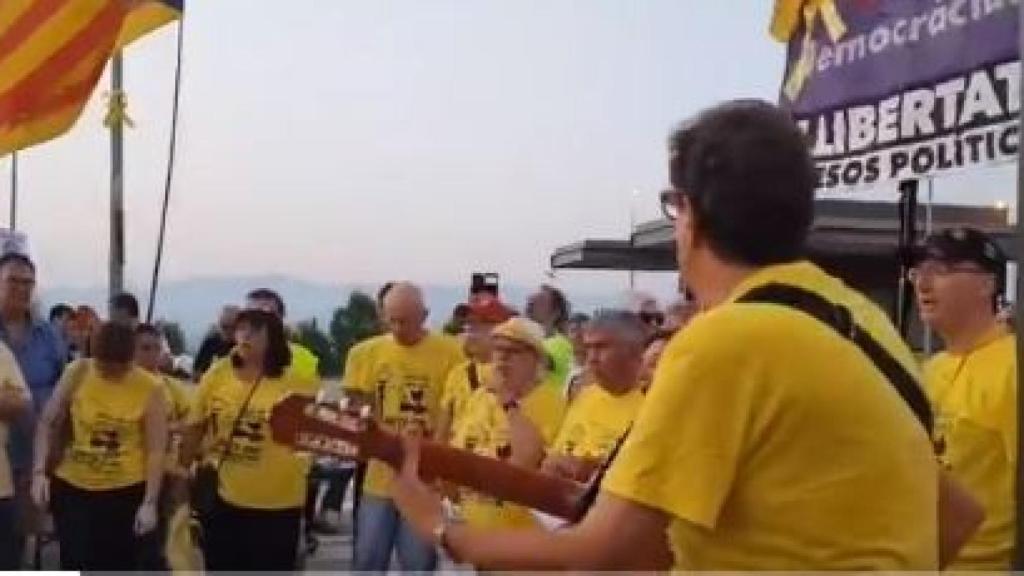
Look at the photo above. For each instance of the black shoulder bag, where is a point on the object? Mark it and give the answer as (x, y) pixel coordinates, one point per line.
(473, 375)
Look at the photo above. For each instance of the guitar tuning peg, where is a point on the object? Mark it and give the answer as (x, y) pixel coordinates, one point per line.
(364, 412)
(344, 403)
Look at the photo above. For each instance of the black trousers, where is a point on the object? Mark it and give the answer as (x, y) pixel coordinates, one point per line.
(249, 539)
(96, 528)
(10, 551)
(337, 480)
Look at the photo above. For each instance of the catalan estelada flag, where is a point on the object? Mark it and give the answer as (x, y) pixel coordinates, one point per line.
(52, 55)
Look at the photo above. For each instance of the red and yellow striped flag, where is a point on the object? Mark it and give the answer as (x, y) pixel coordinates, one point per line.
(52, 55)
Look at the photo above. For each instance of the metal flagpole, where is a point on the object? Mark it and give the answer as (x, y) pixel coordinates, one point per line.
(907, 237)
(1018, 557)
(116, 279)
(14, 191)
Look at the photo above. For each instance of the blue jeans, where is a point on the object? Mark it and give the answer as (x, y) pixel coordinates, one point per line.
(380, 528)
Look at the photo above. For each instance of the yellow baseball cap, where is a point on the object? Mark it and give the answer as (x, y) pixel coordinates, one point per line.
(523, 331)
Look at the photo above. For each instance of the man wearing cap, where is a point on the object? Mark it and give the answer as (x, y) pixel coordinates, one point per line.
(484, 312)
(959, 280)
(513, 416)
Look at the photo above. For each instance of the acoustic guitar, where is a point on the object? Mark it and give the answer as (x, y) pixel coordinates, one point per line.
(350, 433)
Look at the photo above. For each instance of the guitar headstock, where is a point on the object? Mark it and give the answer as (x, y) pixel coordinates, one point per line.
(336, 429)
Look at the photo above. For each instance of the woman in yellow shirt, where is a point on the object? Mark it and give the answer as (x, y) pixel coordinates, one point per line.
(103, 491)
(261, 485)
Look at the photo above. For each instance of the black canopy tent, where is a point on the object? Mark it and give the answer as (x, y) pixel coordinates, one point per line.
(857, 241)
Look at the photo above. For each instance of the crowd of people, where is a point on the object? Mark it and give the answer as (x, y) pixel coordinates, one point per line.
(772, 418)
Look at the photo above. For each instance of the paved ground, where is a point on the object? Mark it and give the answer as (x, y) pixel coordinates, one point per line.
(333, 552)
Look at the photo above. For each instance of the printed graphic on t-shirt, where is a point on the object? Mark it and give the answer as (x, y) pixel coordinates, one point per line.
(249, 436)
(104, 453)
(404, 397)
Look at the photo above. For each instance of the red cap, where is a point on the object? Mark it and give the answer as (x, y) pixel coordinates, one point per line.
(487, 308)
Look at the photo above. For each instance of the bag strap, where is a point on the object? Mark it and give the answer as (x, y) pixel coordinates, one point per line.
(474, 376)
(234, 425)
(841, 320)
(593, 488)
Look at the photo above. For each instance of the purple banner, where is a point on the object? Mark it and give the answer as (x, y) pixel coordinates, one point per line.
(902, 89)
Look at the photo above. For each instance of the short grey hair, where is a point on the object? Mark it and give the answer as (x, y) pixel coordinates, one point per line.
(624, 324)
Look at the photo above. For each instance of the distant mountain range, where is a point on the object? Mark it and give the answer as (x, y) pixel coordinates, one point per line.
(195, 303)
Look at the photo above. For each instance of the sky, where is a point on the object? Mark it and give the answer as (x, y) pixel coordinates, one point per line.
(343, 141)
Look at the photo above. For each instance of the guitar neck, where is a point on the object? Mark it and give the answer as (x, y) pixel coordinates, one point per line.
(300, 423)
(559, 497)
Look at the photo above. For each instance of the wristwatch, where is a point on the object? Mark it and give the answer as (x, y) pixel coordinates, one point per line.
(450, 516)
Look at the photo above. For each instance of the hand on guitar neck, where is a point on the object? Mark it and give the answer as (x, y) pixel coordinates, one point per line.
(564, 466)
(346, 431)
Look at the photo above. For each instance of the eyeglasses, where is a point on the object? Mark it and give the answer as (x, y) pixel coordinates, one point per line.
(671, 200)
(932, 269)
(655, 319)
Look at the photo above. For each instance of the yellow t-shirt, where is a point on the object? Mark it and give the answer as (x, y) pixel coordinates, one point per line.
(179, 406)
(304, 365)
(10, 378)
(458, 388)
(975, 399)
(775, 444)
(484, 429)
(258, 472)
(595, 421)
(107, 448)
(179, 397)
(406, 382)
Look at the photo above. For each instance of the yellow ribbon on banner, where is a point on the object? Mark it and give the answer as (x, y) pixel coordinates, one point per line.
(117, 110)
(784, 25)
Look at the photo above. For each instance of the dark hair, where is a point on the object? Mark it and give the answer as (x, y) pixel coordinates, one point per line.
(746, 169)
(560, 302)
(268, 294)
(146, 329)
(16, 258)
(383, 293)
(278, 355)
(113, 343)
(59, 310)
(126, 303)
(460, 312)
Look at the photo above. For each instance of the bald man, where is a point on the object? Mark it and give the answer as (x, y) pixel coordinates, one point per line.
(402, 374)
